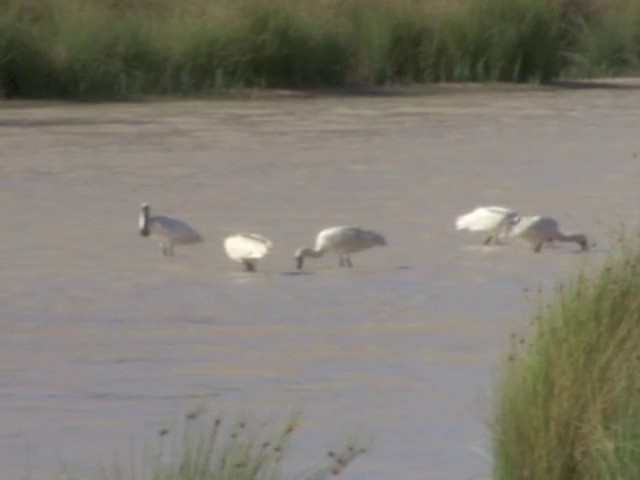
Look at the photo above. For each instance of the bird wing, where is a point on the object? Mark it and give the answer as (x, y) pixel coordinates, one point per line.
(247, 246)
(484, 219)
(546, 226)
(371, 237)
(176, 229)
(348, 239)
(336, 237)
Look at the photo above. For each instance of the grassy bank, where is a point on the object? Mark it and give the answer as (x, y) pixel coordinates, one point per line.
(569, 401)
(115, 48)
(236, 449)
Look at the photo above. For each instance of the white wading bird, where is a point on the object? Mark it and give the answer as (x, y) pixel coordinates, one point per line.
(496, 221)
(167, 231)
(247, 248)
(341, 241)
(539, 230)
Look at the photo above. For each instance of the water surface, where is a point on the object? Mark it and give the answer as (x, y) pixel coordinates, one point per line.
(102, 340)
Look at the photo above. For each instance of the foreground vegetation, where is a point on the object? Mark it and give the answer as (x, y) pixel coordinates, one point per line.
(569, 401)
(237, 449)
(116, 48)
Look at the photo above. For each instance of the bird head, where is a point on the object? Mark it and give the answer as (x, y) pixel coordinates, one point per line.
(299, 256)
(143, 220)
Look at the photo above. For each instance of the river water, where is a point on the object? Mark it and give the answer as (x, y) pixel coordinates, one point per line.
(103, 340)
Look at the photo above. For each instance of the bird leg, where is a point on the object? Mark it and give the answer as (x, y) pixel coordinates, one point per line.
(348, 261)
(341, 260)
(249, 265)
(537, 247)
(488, 240)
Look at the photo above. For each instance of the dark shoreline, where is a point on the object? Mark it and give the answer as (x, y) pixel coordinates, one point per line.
(417, 90)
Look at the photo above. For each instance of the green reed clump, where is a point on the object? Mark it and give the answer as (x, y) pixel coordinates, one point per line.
(236, 449)
(252, 44)
(284, 46)
(69, 49)
(568, 403)
(499, 40)
(199, 55)
(25, 67)
(389, 41)
(116, 48)
(97, 57)
(607, 42)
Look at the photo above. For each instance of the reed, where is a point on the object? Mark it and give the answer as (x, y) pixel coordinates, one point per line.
(231, 449)
(118, 48)
(607, 41)
(568, 402)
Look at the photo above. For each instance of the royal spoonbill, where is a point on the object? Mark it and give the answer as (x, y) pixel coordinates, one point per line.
(341, 241)
(538, 230)
(167, 231)
(496, 221)
(247, 248)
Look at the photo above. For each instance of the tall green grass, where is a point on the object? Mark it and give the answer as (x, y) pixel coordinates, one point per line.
(116, 48)
(236, 449)
(608, 42)
(568, 403)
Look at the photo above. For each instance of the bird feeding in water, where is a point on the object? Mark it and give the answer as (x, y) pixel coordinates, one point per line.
(342, 241)
(247, 248)
(167, 231)
(495, 221)
(539, 230)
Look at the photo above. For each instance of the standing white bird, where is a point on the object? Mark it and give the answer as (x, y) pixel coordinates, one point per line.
(539, 230)
(247, 248)
(167, 231)
(341, 241)
(496, 221)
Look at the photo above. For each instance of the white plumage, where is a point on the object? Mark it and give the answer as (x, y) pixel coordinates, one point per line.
(495, 221)
(247, 248)
(167, 231)
(539, 230)
(341, 241)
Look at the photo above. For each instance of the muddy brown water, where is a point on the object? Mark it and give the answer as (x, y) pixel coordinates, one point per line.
(102, 340)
